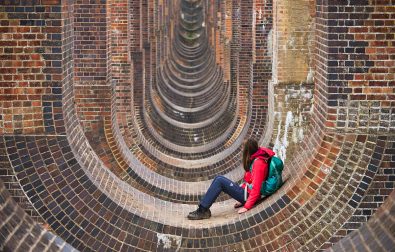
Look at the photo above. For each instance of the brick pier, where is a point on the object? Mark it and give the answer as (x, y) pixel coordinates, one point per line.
(116, 115)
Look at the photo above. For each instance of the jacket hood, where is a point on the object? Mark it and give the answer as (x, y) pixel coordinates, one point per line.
(263, 153)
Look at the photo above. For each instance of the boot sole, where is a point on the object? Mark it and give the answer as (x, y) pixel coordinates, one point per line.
(196, 218)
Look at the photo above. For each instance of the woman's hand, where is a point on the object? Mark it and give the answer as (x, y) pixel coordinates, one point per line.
(242, 210)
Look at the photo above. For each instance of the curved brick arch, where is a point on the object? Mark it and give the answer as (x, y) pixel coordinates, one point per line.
(99, 187)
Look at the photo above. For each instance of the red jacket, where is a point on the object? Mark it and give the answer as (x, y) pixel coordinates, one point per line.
(258, 174)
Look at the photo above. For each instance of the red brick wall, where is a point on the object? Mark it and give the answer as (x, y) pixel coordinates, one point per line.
(354, 65)
(293, 41)
(342, 173)
(90, 40)
(30, 67)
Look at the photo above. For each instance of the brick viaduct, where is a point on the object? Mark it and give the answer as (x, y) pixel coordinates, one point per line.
(115, 116)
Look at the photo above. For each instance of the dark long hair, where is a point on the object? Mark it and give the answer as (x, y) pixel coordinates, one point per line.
(250, 147)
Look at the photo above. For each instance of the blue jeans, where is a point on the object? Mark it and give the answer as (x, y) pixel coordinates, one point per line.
(222, 184)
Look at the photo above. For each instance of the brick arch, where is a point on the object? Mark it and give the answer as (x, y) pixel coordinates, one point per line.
(73, 179)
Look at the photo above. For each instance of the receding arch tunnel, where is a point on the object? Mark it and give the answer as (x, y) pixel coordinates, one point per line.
(116, 115)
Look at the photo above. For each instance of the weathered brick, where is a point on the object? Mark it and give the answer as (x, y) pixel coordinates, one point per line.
(95, 92)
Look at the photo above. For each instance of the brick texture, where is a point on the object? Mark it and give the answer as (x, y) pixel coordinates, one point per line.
(116, 115)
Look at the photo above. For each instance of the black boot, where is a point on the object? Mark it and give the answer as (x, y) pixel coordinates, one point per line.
(200, 214)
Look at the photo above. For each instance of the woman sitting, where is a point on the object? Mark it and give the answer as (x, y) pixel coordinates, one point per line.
(256, 165)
